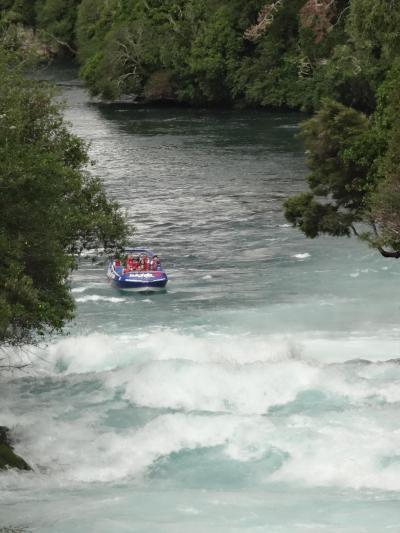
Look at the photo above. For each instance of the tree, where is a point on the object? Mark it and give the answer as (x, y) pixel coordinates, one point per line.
(56, 19)
(265, 18)
(373, 26)
(18, 11)
(354, 180)
(385, 200)
(318, 16)
(51, 206)
(354, 157)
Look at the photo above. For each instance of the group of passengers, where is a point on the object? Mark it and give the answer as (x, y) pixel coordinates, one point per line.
(141, 263)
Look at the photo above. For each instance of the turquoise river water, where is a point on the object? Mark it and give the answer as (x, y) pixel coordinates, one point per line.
(260, 393)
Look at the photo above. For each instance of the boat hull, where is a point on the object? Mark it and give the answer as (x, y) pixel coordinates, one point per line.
(139, 281)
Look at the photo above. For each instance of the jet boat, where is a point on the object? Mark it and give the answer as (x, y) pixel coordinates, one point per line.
(140, 269)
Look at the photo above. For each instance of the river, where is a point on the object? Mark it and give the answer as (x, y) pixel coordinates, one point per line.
(260, 393)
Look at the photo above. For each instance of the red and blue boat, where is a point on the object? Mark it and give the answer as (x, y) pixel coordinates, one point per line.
(140, 269)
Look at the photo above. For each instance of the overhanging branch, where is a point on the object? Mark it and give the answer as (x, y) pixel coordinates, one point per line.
(385, 253)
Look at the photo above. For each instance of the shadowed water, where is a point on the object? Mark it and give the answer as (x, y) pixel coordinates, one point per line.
(259, 393)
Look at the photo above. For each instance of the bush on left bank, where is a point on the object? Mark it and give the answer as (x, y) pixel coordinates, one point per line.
(51, 208)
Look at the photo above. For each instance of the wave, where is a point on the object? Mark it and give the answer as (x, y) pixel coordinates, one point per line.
(97, 352)
(285, 386)
(98, 298)
(79, 289)
(346, 450)
(111, 408)
(239, 375)
(89, 455)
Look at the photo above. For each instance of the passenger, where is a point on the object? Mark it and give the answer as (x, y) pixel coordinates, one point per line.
(155, 263)
(130, 263)
(136, 263)
(145, 262)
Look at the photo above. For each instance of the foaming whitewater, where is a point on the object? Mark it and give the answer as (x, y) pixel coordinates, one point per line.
(259, 393)
(321, 420)
(99, 298)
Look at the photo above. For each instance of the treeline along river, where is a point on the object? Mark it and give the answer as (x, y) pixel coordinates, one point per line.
(259, 393)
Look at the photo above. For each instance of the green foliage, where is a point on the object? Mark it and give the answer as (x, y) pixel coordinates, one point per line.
(57, 18)
(343, 78)
(117, 47)
(340, 154)
(355, 158)
(342, 150)
(94, 21)
(18, 11)
(354, 162)
(314, 218)
(54, 20)
(52, 209)
(211, 60)
(385, 200)
(374, 28)
(9, 459)
(201, 45)
(269, 72)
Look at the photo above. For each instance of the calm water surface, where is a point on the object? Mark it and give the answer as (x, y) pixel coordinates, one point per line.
(260, 393)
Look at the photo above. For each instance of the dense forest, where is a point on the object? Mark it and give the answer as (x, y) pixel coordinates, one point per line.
(275, 54)
(339, 59)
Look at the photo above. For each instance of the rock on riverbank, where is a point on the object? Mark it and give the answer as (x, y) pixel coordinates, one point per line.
(8, 458)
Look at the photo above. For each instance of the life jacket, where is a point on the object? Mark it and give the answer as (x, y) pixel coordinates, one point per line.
(130, 263)
(145, 263)
(154, 263)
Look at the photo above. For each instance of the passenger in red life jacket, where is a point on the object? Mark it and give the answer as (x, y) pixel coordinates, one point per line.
(145, 263)
(154, 263)
(130, 263)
